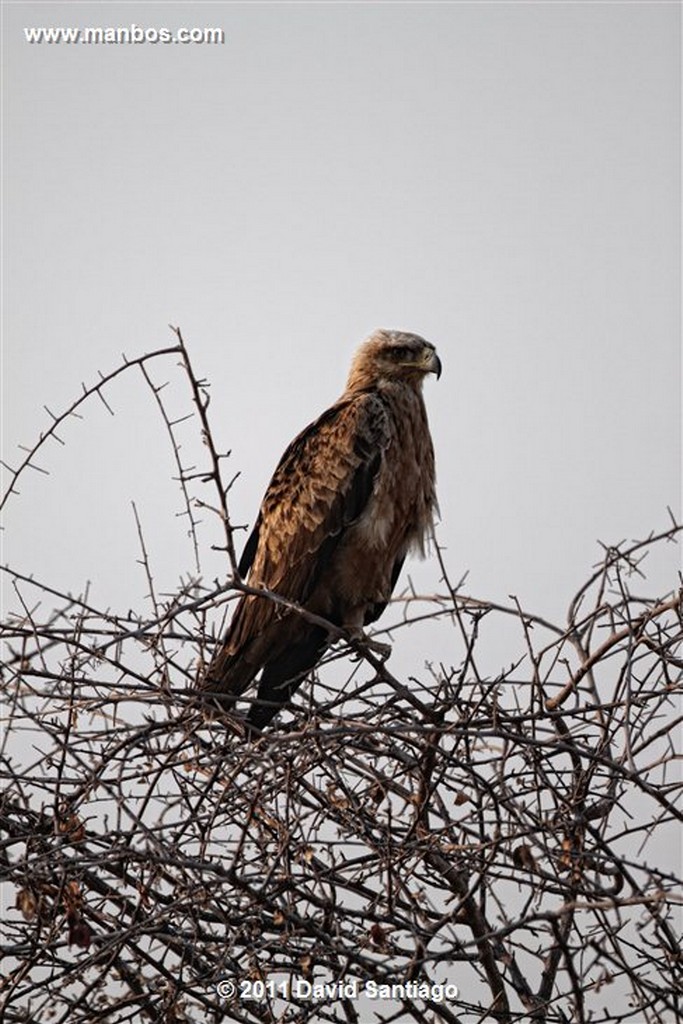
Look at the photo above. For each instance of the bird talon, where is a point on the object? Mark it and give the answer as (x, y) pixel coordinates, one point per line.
(376, 647)
(383, 651)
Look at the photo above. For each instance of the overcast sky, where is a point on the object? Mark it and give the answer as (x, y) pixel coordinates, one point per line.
(502, 178)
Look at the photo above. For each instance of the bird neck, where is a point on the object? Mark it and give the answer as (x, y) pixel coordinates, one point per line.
(361, 380)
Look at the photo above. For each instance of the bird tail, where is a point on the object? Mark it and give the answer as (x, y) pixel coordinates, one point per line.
(284, 674)
(231, 670)
(286, 648)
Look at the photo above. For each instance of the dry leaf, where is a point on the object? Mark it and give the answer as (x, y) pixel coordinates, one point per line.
(27, 903)
(80, 933)
(522, 857)
(71, 825)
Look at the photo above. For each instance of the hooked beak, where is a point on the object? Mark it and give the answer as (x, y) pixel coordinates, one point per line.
(434, 365)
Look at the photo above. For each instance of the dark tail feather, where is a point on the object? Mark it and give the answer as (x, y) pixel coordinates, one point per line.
(282, 677)
(230, 672)
(227, 677)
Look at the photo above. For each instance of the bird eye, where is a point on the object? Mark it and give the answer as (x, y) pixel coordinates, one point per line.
(401, 353)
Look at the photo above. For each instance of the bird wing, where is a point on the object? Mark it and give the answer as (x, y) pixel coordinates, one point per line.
(321, 486)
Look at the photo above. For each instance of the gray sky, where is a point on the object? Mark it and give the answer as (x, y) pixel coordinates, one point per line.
(501, 178)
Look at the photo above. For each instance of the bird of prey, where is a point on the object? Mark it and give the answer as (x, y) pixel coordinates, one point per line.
(352, 495)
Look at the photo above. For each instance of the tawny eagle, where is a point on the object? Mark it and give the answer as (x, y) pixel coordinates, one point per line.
(352, 495)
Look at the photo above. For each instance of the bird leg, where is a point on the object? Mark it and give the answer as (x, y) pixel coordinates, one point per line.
(360, 639)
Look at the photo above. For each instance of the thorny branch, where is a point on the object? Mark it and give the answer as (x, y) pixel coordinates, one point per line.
(510, 837)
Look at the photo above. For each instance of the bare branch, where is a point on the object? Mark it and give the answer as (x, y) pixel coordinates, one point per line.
(455, 846)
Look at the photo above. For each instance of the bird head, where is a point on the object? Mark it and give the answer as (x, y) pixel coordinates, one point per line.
(393, 356)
